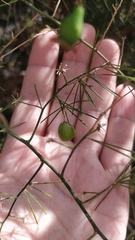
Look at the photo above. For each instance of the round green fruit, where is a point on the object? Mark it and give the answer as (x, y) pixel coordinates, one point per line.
(66, 132)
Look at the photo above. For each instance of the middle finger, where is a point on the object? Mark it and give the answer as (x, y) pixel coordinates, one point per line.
(76, 63)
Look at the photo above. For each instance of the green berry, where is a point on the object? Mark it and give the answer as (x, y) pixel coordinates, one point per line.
(66, 132)
(71, 27)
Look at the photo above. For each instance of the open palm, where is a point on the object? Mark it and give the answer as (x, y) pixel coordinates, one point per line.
(92, 167)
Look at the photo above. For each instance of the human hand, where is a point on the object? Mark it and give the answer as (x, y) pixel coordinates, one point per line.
(92, 166)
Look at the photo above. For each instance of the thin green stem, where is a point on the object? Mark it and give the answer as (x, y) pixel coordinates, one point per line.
(8, 4)
(42, 13)
(102, 56)
(92, 236)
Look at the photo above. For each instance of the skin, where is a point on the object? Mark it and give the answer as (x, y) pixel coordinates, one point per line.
(92, 167)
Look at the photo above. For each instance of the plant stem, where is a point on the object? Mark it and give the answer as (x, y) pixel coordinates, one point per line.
(43, 161)
(23, 188)
(42, 13)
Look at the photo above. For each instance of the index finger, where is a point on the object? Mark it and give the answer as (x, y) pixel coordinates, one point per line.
(41, 73)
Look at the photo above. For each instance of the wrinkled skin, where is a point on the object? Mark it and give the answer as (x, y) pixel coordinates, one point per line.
(92, 167)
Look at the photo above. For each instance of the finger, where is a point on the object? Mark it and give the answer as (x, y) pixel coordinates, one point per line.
(40, 72)
(110, 50)
(120, 131)
(75, 61)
